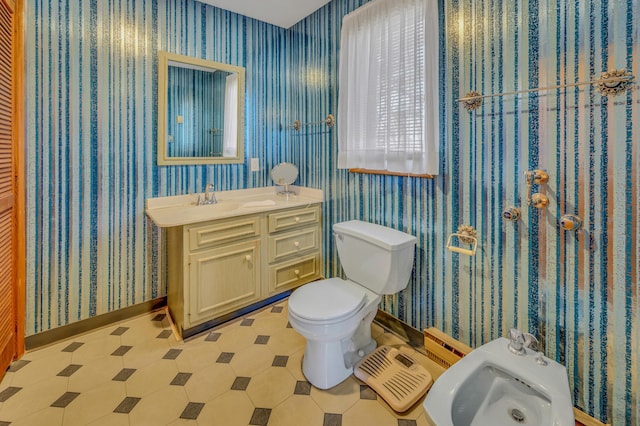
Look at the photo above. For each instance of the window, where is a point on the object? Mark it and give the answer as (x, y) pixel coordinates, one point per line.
(388, 103)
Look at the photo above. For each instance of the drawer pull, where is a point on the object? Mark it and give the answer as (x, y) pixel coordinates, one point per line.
(296, 244)
(248, 258)
(297, 272)
(297, 219)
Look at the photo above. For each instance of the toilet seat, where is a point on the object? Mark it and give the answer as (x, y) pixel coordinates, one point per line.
(329, 300)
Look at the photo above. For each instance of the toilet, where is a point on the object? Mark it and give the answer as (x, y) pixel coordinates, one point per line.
(335, 315)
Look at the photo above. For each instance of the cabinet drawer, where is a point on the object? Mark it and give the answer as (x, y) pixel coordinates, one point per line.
(290, 274)
(291, 218)
(290, 243)
(222, 231)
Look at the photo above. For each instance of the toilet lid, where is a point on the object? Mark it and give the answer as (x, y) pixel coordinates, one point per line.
(326, 300)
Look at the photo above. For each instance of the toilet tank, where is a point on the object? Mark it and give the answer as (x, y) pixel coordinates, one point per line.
(374, 256)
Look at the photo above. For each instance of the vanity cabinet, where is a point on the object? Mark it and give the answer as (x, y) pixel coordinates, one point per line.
(220, 267)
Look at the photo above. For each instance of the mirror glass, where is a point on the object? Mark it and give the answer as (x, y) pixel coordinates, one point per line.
(284, 174)
(201, 111)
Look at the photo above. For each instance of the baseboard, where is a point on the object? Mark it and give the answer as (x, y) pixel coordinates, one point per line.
(55, 335)
(209, 325)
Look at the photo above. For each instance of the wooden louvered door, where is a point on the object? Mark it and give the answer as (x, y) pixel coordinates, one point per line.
(9, 171)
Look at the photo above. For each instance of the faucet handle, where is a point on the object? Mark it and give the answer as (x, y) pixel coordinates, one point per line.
(530, 341)
(540, 359)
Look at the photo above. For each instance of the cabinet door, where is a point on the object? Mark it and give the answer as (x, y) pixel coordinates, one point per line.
(223, 279)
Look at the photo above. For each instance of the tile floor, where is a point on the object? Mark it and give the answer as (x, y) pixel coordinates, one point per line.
(247, 372)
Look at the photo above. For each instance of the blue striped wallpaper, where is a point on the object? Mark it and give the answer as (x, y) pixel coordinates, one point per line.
(91, 103)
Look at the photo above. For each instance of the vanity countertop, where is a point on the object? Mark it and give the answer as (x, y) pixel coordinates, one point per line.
(181, 210)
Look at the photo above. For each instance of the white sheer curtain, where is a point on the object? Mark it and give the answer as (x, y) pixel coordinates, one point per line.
(230, 140)
(388, 101)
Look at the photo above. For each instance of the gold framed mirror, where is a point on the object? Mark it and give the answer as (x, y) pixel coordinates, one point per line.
(200, 111)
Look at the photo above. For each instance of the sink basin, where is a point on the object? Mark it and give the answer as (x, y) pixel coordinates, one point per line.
(490, 393)
(492, 386)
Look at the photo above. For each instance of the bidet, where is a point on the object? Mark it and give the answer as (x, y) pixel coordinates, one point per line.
(495, 385)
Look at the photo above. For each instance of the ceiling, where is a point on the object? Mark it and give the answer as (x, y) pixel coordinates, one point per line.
(283, 13)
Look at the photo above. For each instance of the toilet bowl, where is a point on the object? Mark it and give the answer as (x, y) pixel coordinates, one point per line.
(335, 315)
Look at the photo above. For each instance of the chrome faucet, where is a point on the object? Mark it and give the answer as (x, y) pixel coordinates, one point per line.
(209, 196)
(516, 342)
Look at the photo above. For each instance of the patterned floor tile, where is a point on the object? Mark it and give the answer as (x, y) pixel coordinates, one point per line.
(121, 351)
(210, 382)
(135, 372)
(302, 388)
(240, 383)
(298, 407)
(95, 373)
(331, 419)
(46, 416)
(69, 370)
(261, 340)
(367, 393)
(172, 354)
(225, 357)
(34, 398)
(192, 410)
(111, 419)
(280, 361)
(124, 374)
(212, 337)
(161, 407)
(287, 341)
(41, 368)
(94, 404)
(181, 379)
(271, 387)
(7, 393)
(72, 347)
(339, 398)
(229, 409)
(252, 360)
(236, 338)
(65, 399)
(154, 376)
(119, 331)
(17, 365)
(164, 334)
(127, 405)
(159, 317)
(260, 416)
(367, 412)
